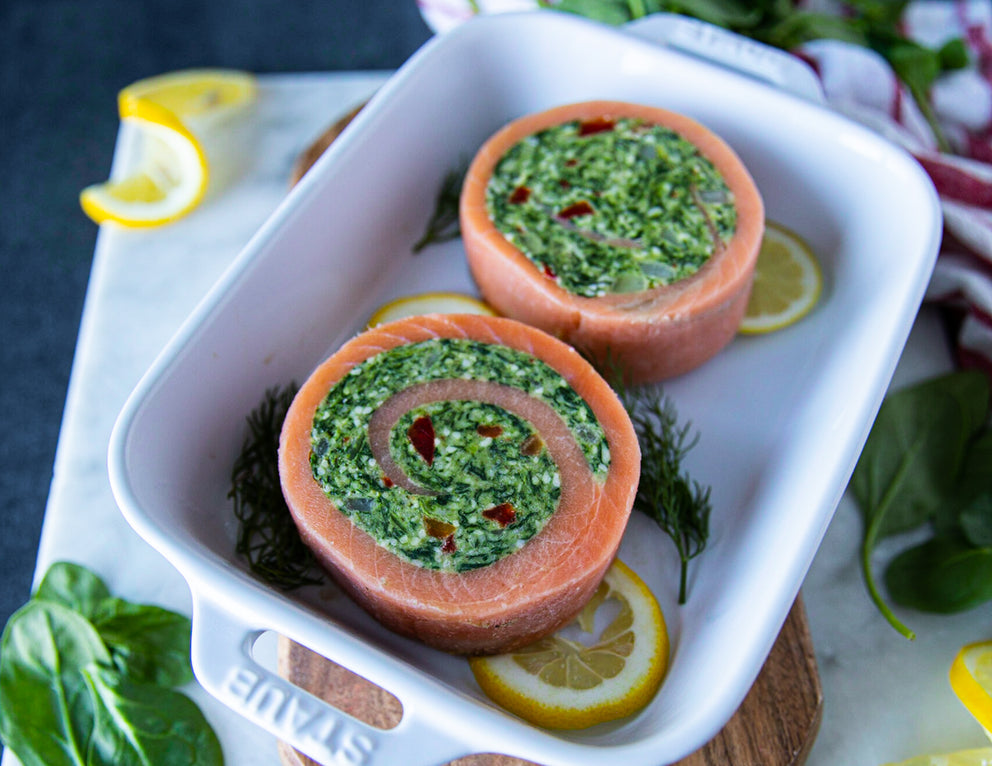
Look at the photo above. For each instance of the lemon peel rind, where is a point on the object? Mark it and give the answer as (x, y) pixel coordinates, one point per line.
(975, 697)
(244, 84)
(559, 710)
(396, 309)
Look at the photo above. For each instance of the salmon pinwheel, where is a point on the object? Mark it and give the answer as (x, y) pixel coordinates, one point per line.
(466, 479)
(629, 231)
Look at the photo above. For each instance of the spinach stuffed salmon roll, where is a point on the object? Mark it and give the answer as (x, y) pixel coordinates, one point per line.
(466, 479)
(629, 231)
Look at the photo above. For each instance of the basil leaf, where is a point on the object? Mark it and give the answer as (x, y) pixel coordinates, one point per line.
(145, 725)
(148, 643)
(46, 711)
(73, 586)
(942, 575)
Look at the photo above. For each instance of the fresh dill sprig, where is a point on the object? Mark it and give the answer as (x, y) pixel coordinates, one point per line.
(267, 535)
(679, 504)
(443, 225)
(666, 493)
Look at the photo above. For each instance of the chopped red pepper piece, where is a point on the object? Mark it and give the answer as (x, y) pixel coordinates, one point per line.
(519, 195)
(579, 208)
(449, 545)
(421, 435)
(549, 272)
(503, 514)
(490, 431)
(595, 125)
(387, 482)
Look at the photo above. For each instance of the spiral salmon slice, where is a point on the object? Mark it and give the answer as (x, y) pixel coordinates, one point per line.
(652, 334)
(521, 596)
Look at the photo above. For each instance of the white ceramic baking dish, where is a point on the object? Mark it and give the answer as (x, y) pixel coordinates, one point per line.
(781, 417)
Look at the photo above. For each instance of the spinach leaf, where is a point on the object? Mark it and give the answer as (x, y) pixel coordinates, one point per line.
(148, 643)
(971, 509)
(942, 575)
(86, 680)
(146, 725)
(920, 465)
(46, 713)
(976, 521)
(916, 450)
(73, 586)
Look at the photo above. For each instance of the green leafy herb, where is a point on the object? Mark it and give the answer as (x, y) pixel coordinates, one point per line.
(874, 24)
(944, 575)
(87, 679)
(666, 492)
(267, 535)
(927, 463)
(443, 225)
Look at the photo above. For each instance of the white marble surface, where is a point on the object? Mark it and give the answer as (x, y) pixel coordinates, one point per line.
(887, 699)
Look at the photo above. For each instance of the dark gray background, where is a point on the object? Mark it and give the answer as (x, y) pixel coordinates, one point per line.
(63, 62)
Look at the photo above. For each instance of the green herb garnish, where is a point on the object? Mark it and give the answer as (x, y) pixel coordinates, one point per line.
(443, 225)
(927, 463)
(873, 24)
(267, 535)
(88, 679)
(666, 493)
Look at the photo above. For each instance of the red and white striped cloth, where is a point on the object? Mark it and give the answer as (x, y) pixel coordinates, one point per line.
(859, 83)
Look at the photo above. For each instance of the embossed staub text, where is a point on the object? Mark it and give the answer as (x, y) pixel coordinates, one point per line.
(284, 710)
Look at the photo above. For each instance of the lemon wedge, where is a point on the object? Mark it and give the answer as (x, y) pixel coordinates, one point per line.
(172, 173)
(169, 181)
(428, 303)
(567, 681)
(971, 679)
(192, 93)
(787, 282)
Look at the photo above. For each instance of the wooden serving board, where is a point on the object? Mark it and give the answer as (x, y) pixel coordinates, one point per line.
(775, 725)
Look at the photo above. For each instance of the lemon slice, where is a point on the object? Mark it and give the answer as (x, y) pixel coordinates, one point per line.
(429, 303)
(787, 282)
(566, 681)
(170, 179)
(971, 680)
(192, 93)
(978, 757)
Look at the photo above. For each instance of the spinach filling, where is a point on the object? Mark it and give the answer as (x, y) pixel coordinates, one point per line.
(611, 206)
(488, 483)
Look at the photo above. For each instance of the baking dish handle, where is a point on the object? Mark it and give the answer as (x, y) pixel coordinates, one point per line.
(223, 662)
(734, 51)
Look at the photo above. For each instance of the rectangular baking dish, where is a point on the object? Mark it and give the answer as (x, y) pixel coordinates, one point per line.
(781, 417)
